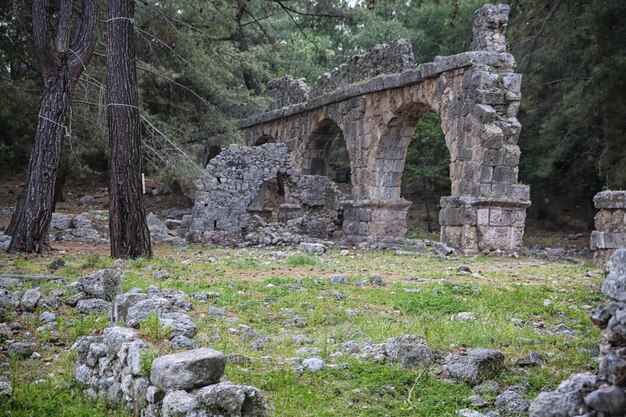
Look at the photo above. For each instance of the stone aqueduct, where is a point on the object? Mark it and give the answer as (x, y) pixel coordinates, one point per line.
(477, 96)
(376, 101)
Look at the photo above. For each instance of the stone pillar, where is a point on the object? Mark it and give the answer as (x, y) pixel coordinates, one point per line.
(482, 224)
(375, 221)
(610, 222)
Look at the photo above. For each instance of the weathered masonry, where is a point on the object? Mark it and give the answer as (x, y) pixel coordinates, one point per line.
(366, 112)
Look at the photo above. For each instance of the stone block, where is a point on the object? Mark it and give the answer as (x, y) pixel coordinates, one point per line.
(356, 228)
(610, 200)
(484, 113)
(494, 237)
(511, 156)
(512, 83)
(611, 220)
(491, 136)
(505, 175)
(187, 370)
(499, 217)
(482, 217)
(493, 157)
(486, 174)
(607, 240)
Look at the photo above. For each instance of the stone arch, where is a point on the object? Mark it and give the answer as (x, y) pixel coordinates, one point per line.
(325, 153)
(263, 139)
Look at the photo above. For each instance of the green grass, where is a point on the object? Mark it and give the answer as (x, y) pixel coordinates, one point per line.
(258, 289)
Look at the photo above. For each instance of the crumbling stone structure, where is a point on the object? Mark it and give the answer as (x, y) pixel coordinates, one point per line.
(610, 222)
(239, 189)
(602, 394)
(184, 384)
(369, 109)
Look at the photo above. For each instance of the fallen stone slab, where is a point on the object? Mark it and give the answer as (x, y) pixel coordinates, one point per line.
(187, 370)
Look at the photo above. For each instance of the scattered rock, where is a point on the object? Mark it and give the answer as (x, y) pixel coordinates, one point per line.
(30, 299)
(409, 351)
(182, 343)
(60, 221)
(567, 400)
(474, 365)
(6, 391)
(511, 403)
(313, 248)
(313, 364)
(93, 305)
(86, 200)
(21, 350)
(103, 284)
(161, 274)
(533, 359)
(8, 299)
(337, 280)
(376, 280)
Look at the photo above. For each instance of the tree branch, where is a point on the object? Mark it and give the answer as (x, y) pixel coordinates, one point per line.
(83, 47)
(62, 40)
(43, 42)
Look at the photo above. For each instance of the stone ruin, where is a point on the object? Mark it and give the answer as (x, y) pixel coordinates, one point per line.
(353, 127)
(251, 186)
(610, 222)
(602, 394)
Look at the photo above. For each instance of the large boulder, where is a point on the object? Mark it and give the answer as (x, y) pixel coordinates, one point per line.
(187, 370)
(474, 365)
(8, 299)
(30, 299)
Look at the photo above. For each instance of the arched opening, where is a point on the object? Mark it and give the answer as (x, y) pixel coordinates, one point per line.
(211, 147)
(326, 154)
(271, 194)
(426, 177)
(264, 139)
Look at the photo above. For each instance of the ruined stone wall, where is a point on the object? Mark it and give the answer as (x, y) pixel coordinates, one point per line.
(610, 222)
(285, 91)
(381, 59)
(223, 206)
(490, 22)
(603, 393)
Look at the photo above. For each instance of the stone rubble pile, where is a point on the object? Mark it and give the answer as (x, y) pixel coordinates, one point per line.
(602, 394)
(114, 366)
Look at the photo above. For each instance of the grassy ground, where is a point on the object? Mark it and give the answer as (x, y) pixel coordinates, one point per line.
(263, 289)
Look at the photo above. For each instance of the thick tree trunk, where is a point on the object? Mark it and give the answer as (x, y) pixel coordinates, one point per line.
(130, 237)
(62, 62)
(31, 220)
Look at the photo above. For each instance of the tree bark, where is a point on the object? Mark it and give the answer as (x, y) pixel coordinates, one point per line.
(61, 65)
(130, 237)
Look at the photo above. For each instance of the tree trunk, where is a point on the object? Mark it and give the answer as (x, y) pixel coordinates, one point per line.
(61, 65)
(31, 220)
(130, 237)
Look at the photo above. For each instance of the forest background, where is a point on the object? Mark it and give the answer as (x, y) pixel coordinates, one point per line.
(203, 64)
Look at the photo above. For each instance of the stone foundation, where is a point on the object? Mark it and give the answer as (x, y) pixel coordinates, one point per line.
(482, 224)
(375, 221)
(610, 222)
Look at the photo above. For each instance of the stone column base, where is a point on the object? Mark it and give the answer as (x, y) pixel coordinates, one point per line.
(474, 224)
(366, 220)
(610, 222)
